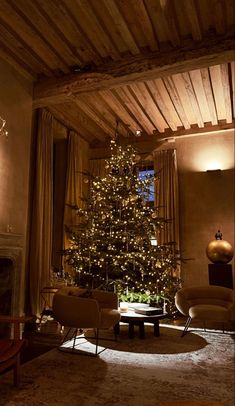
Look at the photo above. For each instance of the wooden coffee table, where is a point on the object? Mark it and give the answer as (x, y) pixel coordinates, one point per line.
(135, 319)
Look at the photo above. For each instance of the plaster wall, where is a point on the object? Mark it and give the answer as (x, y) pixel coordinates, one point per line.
(16, 109)
(206, 199)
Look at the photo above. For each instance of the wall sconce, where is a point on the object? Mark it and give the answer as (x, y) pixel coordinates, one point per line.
(213, 170)
(3, 131)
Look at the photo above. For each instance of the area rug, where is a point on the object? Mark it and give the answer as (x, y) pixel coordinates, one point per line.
(197, 369)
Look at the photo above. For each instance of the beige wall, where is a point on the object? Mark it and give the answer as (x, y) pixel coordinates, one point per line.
(16, 108)
(206, 199)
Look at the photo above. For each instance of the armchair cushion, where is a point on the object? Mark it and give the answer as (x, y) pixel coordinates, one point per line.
(109, 317)
(205, 302)
(209, 312)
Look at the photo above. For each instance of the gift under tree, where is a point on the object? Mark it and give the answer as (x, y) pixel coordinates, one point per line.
(115, 242)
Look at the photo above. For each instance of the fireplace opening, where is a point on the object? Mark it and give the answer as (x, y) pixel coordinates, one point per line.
(6, 290)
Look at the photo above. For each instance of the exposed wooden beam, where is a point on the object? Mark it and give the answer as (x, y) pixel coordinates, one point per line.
(147, 147)
(209, 95)
(156, 96)
(17, 63)
(120, 111)
(219, 15)
(144, 95)
(168, 11)
(94, 115)
(226, 89)
(136, 68)
(218, 91)
(171, 88)
(78, 121)
(193, 19)
(121, 26)
(134, 122)
(196, 131)
(145, 25)
(133, 104)
(193, 99)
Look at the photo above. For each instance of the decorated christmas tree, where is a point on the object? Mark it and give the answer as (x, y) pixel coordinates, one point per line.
(114, 245)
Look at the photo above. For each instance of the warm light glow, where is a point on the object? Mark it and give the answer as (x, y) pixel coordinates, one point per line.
(213, 165)
(214, 154)
(123, 307)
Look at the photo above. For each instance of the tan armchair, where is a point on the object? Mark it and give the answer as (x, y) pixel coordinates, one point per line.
(80, 309)
(207, 303)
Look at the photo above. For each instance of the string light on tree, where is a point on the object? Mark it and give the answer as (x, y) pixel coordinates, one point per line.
(115, 243)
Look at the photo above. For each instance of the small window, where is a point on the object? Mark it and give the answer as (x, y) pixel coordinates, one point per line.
(147, 173)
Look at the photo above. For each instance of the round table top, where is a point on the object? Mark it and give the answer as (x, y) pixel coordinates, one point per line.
(131, 315)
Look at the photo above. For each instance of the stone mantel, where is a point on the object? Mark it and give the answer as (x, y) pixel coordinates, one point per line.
(11, 240)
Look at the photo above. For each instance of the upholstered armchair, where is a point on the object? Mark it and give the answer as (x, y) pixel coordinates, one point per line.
(207, 303)
(80, 309)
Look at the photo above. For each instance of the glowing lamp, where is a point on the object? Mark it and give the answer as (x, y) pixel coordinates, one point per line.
(123, 307)
(153, 241)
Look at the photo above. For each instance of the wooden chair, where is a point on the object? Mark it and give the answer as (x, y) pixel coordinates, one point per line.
(10, 348)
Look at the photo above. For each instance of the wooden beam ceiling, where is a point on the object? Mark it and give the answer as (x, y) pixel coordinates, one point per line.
(213, 51)
(161, 67)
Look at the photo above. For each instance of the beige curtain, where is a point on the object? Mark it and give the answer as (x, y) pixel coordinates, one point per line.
(76, 185)
(167, 195)
(97, 167)
(41, 226)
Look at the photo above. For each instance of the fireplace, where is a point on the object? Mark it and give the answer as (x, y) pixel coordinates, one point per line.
(11, 295)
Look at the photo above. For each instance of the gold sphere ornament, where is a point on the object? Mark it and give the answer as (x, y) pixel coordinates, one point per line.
(219, 251)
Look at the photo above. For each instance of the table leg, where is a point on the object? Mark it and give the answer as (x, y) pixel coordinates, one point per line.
(141, 330)
(116, 329)
(131, 330)
(156, 331)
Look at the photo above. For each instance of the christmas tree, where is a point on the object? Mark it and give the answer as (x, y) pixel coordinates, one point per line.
(115, 241)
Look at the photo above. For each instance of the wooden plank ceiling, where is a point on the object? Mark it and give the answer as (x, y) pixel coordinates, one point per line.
(161, 67)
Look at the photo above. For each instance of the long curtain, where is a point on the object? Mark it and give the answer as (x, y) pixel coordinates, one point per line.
(97, 167)
(76, 181)
(41, 225)
(167, 195)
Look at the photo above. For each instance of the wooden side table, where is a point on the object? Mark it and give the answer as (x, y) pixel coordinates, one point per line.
(134, 319)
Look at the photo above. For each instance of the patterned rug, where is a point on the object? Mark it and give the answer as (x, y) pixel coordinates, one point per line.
(196, 370)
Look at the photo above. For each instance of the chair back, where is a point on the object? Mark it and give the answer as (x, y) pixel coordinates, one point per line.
(195, 295)
(72, 311)
(72, 308)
